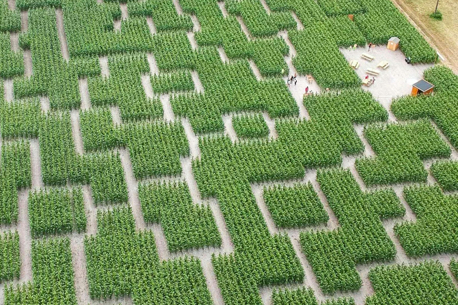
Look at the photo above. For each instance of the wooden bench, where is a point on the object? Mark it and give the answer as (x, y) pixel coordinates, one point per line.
(367, 57)
(354, 64)
(372, 72)
(383, 65)
(310, 79)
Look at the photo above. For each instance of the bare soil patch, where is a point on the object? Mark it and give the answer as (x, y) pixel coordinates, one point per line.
(441, 34)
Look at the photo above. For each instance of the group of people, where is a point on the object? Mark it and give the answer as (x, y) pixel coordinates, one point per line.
(291, 80)
(369, 47)
(373, 78)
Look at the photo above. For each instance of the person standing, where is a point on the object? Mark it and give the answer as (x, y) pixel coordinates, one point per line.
(370, 46)
(307, 90)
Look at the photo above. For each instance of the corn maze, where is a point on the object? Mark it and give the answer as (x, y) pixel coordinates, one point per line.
(152, 152)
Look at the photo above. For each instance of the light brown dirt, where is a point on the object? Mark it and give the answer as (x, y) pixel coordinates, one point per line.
(229, 128)
(76, 132)
(440, 34)
(104, 66)
(8, 90)
(271, 125)
(91, 211)
(79, 268)
(84, 93)
(169, 116)
(61, 33)
(132, 188)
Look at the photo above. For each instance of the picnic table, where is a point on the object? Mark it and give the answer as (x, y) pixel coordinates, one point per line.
(367, 57)
(383, 64)
(372, 72)
(354, 64)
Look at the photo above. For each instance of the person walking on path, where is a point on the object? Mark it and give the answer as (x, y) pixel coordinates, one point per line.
(370, 46)
(295, 79)
(307, 90)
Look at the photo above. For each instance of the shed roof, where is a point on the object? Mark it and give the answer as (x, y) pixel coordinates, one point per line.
(423, 85)
(394, 39)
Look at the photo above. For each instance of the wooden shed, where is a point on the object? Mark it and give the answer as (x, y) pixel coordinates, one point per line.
(422, 87)
(393, 43)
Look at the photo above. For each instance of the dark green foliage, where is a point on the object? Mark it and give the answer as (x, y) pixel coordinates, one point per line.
(10, 261)
(53, 277)
(56, 211)
(437, 217)
(304, 296)
(423, 284)
(293, 207)
(446, 174)
(174, 82)
(400, 149)
(250, 126)
(186, 225)
(361, 237)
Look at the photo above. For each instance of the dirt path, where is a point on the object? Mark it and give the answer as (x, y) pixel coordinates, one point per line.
(76, 132)
(132, 188)
(8, 89)
(84, 93)
(79, 267)
(61, 33)
(434, 39)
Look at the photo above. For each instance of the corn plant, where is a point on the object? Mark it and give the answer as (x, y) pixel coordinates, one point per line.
(361, 238)
(53, 277)
(20, 119)
(10, 21)
(118, 257)
(268, 56)
(185, 225)
(56, 211)
(433, 232)
(337, 8)
(179, 281)
(173, 82)
(98, 37)
(155, 148)
(250, 126)
(57, 150)
(383, 21)
(106, 177)
(98, 130)
(424, 283)
(446, 174)
(328, 66)
(15, 161)
(293, 207)
(400, 149)
(11, 63)
(163, 13)
(304, 296)
(454, 267)
(10, 261)
(25, 5)
(258, 22)
(52, 76)
(124, 88)
(8, 199)
(440, 107)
